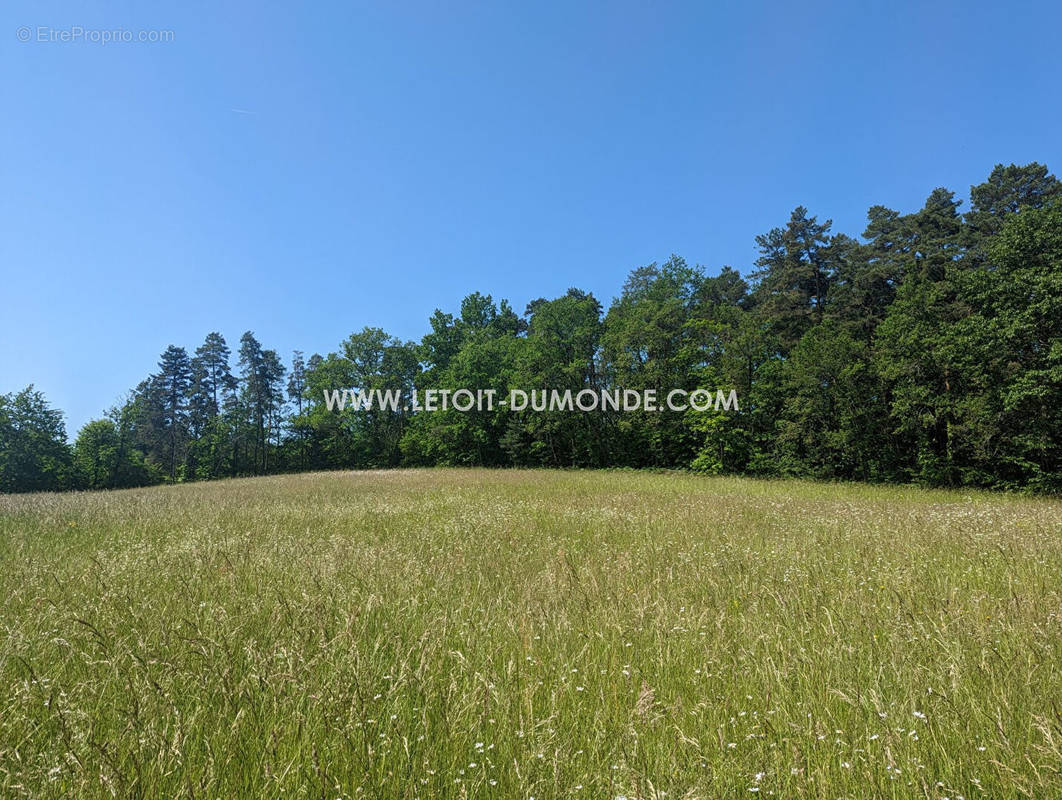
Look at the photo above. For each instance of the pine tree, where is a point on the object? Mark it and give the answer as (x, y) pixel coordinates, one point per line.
(796, 268)
(171, 387)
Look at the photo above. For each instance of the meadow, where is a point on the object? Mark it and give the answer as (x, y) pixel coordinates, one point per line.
(518, 634)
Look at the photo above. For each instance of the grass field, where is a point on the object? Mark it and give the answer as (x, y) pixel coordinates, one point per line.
(516, 634)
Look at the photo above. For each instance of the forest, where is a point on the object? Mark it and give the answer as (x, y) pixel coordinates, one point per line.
(928, 350)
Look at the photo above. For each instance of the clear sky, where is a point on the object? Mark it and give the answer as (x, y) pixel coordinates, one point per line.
(305, 169)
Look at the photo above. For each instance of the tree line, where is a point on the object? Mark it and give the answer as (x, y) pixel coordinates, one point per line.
(929, 350)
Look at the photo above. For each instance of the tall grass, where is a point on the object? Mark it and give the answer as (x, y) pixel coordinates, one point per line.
(444, 633)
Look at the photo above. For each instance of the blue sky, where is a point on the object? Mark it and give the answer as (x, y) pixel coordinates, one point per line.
(304, 170)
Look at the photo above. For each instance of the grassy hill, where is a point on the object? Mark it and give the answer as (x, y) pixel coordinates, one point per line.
(452, 633)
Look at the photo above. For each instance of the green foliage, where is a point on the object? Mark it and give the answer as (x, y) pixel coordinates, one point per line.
(34, 455)
(650, 341)
(1011, 352)
(797, 267)
(830, 422)
(475, 351)
(561, 351)
(262, 396)
(930, 351)
(106, 455)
